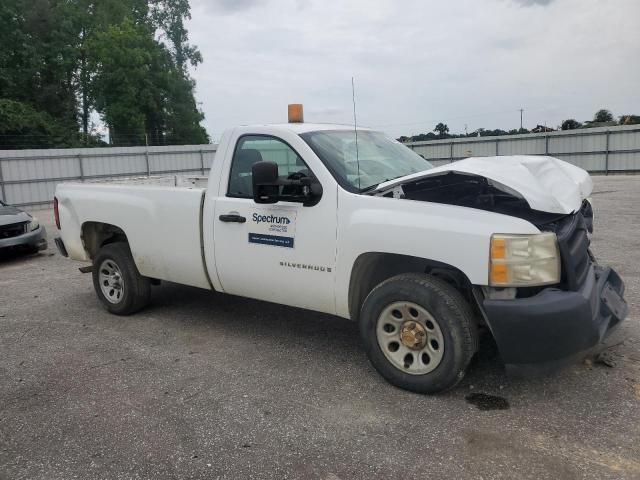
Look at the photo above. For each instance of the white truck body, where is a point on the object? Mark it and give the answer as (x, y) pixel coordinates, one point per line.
(318, 257)
(167, 240)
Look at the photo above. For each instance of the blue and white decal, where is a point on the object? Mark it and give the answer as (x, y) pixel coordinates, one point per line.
(274, 227)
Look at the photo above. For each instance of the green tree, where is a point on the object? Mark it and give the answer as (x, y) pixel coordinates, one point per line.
(125, 60)
(93, 18)
(423, 136)
(492, 133)
(442, 129)
(570, 124)
(183, 116)
(37, 62)
(629, 120)
(603, 115)
(17, 51)
(22, 126)
(169, 16)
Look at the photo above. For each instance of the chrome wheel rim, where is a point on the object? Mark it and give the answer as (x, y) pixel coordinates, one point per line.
(410, 338)
(111, 281)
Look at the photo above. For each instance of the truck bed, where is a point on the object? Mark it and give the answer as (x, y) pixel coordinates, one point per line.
(160, 216)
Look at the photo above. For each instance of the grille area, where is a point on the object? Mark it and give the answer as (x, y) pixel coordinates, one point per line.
(573, 242)
(14, 230)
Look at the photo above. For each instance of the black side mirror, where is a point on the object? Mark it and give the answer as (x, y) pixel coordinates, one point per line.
(313, 193)
(266, 188)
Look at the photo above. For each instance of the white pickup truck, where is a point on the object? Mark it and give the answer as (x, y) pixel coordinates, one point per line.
(354, 224)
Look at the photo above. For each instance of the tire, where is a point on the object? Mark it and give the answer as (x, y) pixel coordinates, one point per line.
(117, 282)
(430, 323)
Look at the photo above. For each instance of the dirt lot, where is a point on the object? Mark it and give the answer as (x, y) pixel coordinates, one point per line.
(204, 385)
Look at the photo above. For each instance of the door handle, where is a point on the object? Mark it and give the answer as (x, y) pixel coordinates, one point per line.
(232, 218)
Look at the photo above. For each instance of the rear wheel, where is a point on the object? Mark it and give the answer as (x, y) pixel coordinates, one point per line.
(419, 332)
(116, 280)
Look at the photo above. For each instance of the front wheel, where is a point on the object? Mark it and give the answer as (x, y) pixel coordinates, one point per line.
(116, 279)
(419, 332)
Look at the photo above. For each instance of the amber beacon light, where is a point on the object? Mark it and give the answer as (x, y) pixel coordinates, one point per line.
(295, 113)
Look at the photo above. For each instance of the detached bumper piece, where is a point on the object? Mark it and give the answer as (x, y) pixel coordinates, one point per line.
(556, 326)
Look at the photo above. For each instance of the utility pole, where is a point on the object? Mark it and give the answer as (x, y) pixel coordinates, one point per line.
(521, 110)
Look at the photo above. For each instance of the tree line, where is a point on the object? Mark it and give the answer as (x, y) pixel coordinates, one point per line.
(602, 117)
(64, 62)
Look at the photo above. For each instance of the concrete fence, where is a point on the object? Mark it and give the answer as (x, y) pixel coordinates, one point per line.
(598, 150)
(28, 178)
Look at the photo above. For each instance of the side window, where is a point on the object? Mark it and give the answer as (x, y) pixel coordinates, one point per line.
(255, 148)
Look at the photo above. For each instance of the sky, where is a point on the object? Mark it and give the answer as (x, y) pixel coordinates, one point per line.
(416, 63)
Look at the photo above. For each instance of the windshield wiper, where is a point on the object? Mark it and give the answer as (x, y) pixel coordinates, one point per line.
(375, 185)
(371, 187)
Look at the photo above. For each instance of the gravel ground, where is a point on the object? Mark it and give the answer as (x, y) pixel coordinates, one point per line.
(205, 385)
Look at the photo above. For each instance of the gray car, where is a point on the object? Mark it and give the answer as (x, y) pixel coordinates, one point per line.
(18, 229)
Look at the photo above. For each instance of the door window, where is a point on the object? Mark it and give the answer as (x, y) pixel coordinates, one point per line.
(255, 148)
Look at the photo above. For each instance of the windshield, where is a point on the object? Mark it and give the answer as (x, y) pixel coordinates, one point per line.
(379, 158)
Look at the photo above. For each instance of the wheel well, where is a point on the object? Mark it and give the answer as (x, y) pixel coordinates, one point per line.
(371, 269)
(97, 234)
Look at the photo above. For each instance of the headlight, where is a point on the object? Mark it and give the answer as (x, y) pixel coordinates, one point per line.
(33, 224)
(524, 260)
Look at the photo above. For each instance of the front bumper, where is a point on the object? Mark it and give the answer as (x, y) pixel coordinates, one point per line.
(555, 326)
(35, 239)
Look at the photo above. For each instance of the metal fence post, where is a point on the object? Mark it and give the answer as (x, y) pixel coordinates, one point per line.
(497, 147)
(606, 155)
(546, 144)
(202, 162)
(81, 168)
(451, 153)
(4, 194)
(146, 159)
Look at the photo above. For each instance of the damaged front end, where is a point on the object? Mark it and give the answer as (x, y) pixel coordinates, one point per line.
(535, 326)
(573, 230)
(473, 191)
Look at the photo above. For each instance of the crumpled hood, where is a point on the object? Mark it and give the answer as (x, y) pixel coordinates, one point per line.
(10, 215)
(546, 183)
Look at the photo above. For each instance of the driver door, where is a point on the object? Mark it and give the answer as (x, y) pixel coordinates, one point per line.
(283, 252)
